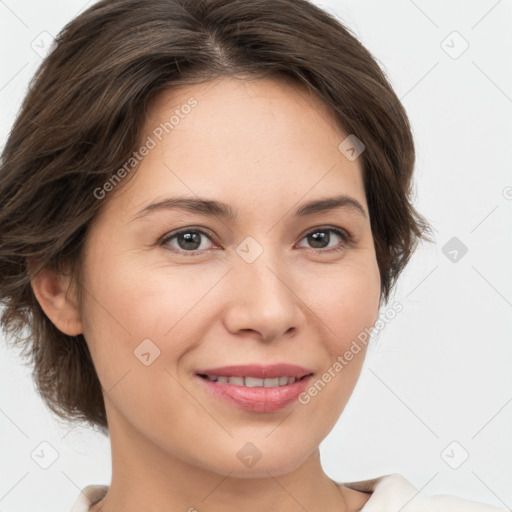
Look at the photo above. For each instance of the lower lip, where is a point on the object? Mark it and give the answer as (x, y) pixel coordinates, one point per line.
(257, 399)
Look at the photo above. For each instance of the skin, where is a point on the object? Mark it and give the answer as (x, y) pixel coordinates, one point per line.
(264, 147)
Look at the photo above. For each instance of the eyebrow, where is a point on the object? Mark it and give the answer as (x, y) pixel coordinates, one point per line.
(224, 211)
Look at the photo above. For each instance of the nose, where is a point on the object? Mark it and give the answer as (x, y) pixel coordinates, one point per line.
(263, 300)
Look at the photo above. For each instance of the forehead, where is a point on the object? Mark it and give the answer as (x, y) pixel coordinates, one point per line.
(231, 106)
(265, 140)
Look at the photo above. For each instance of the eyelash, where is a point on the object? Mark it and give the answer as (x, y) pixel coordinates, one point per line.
(346, 237)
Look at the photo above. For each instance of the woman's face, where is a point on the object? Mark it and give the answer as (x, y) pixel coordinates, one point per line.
(176, 291)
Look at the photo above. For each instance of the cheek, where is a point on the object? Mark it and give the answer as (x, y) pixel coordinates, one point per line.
(346, 300)
(129, 302)
(347, 311)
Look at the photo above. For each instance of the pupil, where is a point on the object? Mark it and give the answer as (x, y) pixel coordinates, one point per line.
(319, 237)
(191, 237)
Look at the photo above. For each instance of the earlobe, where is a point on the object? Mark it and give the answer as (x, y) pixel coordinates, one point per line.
(51, 289)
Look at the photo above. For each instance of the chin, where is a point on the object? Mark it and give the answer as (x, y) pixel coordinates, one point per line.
(258, 459)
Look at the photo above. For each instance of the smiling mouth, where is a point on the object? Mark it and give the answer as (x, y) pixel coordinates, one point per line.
(254, 382)
(256, 388)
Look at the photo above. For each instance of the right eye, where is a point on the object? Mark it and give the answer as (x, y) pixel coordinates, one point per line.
(189, 242)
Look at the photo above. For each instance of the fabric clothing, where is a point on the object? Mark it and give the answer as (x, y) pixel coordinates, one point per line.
(394, 493)
(389, 493)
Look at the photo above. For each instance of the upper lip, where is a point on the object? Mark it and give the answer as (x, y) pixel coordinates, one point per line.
(258, 371)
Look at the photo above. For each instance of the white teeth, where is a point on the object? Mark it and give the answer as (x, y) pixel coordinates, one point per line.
(253, 382)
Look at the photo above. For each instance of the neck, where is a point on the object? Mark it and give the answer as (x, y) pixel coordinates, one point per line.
(144, 477)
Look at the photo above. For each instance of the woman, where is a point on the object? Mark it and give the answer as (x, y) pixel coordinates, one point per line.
(204, 206)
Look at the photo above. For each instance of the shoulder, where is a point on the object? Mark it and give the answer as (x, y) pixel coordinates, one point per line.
(394, 492)
(88, 496)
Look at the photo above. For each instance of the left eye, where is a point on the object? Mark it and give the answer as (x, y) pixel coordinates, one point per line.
(321, 237)
(191, 240)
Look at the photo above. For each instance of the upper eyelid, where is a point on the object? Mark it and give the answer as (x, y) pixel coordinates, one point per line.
(172, 234)
(327, 228)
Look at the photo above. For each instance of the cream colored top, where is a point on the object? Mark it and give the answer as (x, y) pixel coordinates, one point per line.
(389, 493)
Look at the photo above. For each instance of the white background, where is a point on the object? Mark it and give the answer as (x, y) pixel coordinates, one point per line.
(440, 372)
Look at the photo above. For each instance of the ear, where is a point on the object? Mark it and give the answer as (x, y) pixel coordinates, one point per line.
(52, 291)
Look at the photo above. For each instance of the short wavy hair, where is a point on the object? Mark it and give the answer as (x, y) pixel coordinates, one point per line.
(82, 119)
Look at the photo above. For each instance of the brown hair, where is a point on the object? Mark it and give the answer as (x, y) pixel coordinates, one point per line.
(82, 117)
